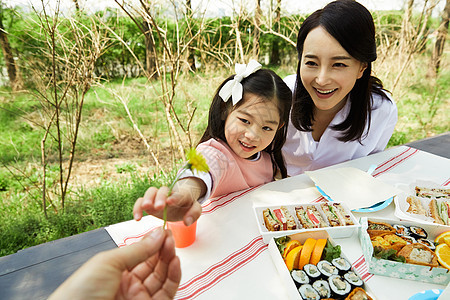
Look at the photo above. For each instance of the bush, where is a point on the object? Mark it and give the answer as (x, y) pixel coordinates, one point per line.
(87, 210)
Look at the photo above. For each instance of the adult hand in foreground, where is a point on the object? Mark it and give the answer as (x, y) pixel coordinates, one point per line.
(148, 269)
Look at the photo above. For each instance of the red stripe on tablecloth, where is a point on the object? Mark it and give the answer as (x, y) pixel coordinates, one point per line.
(366, 277)
(446, 182)
(217, 203)
(320, 199)
(219, 271)
(129, 239)
(358, 262)
(361, 268)
(394, 161)
(392, 158)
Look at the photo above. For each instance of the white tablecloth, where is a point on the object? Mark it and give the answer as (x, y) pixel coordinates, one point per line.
(229, 259)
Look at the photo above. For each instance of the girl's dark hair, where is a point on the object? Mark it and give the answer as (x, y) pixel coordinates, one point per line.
(268, 86)
(351, 24)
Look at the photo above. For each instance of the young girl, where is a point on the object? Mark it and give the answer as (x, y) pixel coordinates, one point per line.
(242, 144)
(340, 111)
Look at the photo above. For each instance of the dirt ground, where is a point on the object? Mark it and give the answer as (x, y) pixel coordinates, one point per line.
(90, 169)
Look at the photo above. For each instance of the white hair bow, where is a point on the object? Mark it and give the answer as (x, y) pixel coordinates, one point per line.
(233, 87)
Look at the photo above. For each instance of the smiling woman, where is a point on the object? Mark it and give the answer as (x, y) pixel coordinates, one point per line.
(340, 111)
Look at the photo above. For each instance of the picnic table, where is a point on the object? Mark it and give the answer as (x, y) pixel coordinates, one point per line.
(229, 259)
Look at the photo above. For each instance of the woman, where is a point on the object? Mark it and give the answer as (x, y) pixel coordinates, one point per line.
(340, 111)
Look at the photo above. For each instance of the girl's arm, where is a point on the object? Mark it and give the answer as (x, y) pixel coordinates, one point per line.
(181, 204)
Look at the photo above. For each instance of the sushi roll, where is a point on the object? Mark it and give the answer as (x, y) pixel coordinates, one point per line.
(418, 232)
(341, 264)
(409, 239)
(307, 292)
(323, 288)
(353, 279)
(339, 286)
(299, 277)
(428, 243)
(401, 230)
(326, 268)
(312, 271)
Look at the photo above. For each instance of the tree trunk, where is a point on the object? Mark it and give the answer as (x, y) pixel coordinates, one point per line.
(256, 33)
(77, 6)
(14, 78)
(150, 64)
(406, 32)
(191, 57)
(440, 42)
(275, 54)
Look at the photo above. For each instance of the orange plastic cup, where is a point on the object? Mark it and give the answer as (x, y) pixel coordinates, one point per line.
(183, 235)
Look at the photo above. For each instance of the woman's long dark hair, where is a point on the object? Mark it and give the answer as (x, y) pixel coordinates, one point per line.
(351, 24)
(268, 86)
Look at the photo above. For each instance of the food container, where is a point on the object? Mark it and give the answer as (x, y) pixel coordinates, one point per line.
(437, 275)
(335, 232)
(401, 204)
(290, 287)
(401, 207)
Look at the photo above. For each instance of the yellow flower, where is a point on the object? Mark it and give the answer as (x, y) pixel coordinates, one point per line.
(196, 161)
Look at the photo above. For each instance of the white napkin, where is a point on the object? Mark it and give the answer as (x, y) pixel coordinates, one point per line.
(354, 187)
(445, 294)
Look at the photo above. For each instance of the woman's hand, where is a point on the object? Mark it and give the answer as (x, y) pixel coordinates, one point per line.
(148, 269)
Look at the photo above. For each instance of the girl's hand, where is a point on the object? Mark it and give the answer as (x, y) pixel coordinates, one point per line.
(152, 203)
(181, 204)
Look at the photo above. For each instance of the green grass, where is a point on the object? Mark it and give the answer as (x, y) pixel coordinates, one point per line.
(423, 111)
(22, 223)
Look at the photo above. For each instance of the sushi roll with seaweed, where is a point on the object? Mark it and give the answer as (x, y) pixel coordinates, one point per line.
(326, 268)
(300, 277)
(353, 279)
(401, 230)
(418, 232)
(409, 239)
(312, 271)
(428, 243)
(339, 287)
(323, 288)
(341, 264)
(307, 292)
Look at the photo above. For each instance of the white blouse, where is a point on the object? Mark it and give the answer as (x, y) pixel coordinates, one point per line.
(302, 153)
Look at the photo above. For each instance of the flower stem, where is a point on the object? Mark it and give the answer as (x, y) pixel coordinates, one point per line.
(168, 194)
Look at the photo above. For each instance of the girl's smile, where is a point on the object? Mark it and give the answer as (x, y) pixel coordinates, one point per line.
(252, 126)
(246, 147)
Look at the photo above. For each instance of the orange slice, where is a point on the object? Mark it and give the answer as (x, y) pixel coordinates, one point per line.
(289, 246)
(293, 257)
(443, 255)
(308, 247)
(317, 251)
(447, 240)
(440, 238)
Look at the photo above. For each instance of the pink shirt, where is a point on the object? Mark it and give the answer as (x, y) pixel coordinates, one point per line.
(230, 172)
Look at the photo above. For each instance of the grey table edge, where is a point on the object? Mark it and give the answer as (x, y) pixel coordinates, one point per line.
(438, 145)
(35, 272)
